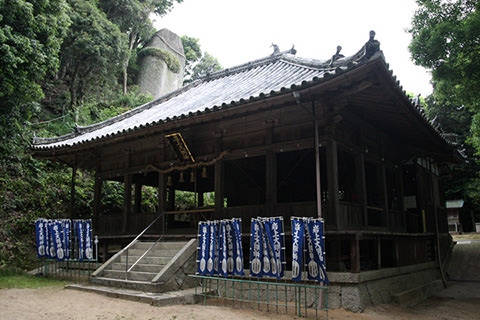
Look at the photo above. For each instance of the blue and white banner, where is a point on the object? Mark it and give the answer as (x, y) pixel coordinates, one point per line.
(274, 231)
(230, 234)
(223, 249)
(297, 247)
(211, 248)
(56, 233)
(256, 249)
(316, 267)
(51, 246)
(56, 239)
(216, 252)
(88, 239)
(220, 247)
(41, 237)
(203, 241)
(237, 229)
(66, 232)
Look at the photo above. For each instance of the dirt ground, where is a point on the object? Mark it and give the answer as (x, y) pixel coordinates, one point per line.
(460, 301)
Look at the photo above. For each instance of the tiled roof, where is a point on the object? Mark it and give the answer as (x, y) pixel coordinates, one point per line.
(251, 81)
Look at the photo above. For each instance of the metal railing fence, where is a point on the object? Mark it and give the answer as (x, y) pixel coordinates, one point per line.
(266, 295)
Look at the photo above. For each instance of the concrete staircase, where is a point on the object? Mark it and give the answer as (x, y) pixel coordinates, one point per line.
(165, 267)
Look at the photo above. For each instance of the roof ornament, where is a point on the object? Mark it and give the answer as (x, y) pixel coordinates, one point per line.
(336, 56)
(77, 128)
(276, 49)
(293, 50)
(371, 46)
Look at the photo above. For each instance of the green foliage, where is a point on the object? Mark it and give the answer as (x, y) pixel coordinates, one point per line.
(169, 58)
(193, 53)
(207, 64)
(197, 64)
(446, 39)
(31, 33)
(132, 17)
(92, 52)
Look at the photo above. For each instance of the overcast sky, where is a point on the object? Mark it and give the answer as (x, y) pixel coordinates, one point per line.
(239, 31)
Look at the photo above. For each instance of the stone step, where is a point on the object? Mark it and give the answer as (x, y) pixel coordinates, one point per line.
(174, 245)
(187, 296)
(153, 253)
(132, 275)
(138, 267)
(418, 294)
(145, 260)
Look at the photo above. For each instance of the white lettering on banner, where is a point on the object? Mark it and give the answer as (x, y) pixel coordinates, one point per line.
(212, 242)
(256, 263)
(312, 264)
(295, 264)
(58, 241)
(204, 245)
(224, 248)
(230, 262)
(88, 242)
(41, 239)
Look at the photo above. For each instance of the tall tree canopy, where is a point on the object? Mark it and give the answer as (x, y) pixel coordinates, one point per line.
(446, 39)
(132, 17)
(197, 64)
(93, 51)
(31, 33)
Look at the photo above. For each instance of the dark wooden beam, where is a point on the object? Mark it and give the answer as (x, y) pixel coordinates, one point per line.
(127, 201)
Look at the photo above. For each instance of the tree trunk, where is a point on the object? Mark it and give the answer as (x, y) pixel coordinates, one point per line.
(132, 37)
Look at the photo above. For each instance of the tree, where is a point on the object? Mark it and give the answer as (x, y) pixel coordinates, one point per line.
(446, 39)
(197, 63)
(132, 17)
(92, 52)
(31, 33)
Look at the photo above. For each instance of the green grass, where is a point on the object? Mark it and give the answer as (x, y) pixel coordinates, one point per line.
(13, 279)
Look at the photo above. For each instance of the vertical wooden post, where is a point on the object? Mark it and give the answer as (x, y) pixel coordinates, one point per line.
(219, 188)
(399, 175)
(378, 243)
(271, 183)
(72, 188)
(355, 254)
(362, 189)
(127, 200)
(161, 200)
(383, 182)
(138, 198)
(97, 196)
(332, 176)
(318, 180)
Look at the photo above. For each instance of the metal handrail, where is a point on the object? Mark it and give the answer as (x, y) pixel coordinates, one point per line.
(144, 254)
(135, 240)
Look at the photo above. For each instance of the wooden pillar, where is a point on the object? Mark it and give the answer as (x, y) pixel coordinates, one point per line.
(318, 181)
(355, 254)
(362, 185)
(72, 189)
(271, 183)
(161, 200)
(219, 188)
(378, 245)
(399, 175)
(138, 198)
(332, 176)
(97, 197)
(127, 200)
(383, 189)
